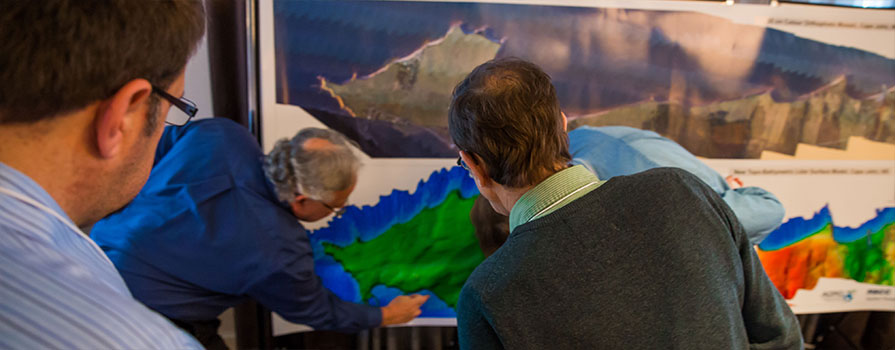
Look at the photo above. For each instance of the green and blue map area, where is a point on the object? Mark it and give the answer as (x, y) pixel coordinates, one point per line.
(407, 243)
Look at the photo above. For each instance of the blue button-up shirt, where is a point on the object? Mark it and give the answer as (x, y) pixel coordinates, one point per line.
(617, 150)
(58, 289)
(207, 231)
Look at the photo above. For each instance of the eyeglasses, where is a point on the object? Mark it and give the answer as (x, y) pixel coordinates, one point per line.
(461, 163)
(188, 107)
(336, 211)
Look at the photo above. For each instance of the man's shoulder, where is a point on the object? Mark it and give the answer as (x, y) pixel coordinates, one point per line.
(645, 193)
(665, 174)
(499, 268)
(481, 280)
(205, 148)
(222, 125)
(655, 179)
(52, 301)
(56, 257)
(213, 134)
(106, 321)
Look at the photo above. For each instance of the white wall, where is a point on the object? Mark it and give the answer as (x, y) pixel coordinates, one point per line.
(198, 81)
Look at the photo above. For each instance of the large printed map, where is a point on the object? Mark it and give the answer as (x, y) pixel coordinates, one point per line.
(424, 243)
(382, 73)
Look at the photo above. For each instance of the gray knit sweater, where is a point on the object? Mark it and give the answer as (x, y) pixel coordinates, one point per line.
(654, 260)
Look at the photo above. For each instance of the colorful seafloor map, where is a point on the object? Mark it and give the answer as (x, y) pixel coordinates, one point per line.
(424, 243)
(801, 251)
(381, 72)
(407, 243)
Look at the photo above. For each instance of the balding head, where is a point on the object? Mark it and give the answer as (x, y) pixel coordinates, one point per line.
(506, 113)
(315, 162)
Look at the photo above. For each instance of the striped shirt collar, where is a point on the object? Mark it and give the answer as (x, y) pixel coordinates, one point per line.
(553, 193)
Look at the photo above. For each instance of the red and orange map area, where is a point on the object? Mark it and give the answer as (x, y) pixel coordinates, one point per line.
(800, 252)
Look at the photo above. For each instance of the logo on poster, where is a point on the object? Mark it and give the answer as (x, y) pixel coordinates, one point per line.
(839, 295)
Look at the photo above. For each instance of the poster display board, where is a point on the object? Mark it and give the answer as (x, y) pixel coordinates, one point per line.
(735, 85)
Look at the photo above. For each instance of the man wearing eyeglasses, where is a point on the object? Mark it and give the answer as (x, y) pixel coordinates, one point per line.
(218, 223)
(86, 87)
(643, 261)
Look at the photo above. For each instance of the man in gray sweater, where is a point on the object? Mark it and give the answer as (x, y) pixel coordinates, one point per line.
(650, 260)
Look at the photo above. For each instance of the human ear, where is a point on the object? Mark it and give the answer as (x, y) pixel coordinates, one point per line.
(476, 168)
(300, 207)
(115, 115)
(565, 122)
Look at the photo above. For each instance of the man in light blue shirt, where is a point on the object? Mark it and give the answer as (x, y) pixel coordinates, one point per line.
(610, 151)
(86, 89)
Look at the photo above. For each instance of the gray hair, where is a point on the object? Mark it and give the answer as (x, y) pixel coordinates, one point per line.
(316, 173)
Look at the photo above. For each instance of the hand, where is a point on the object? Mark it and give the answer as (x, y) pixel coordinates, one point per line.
(734, 182)
(402, 309)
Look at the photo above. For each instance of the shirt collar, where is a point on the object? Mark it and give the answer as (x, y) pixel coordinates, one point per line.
(556, 191)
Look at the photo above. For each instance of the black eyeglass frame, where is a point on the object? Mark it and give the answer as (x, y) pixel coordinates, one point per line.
(183, 104)
(336, 212)
(461, 163)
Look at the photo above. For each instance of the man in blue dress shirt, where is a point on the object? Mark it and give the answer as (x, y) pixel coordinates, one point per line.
(217, 224)
(86, 87)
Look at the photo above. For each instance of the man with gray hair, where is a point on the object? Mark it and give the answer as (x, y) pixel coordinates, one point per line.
(217, 224)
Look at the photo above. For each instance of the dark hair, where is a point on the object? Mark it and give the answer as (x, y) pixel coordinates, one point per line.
(491, 228)
(506, 112)
(57, 56)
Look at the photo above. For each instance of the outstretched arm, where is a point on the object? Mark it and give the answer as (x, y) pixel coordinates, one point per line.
(295, 292)
(759, 211)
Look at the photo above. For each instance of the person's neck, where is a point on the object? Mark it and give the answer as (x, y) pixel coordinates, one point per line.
(50, 153)
(509, 196)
